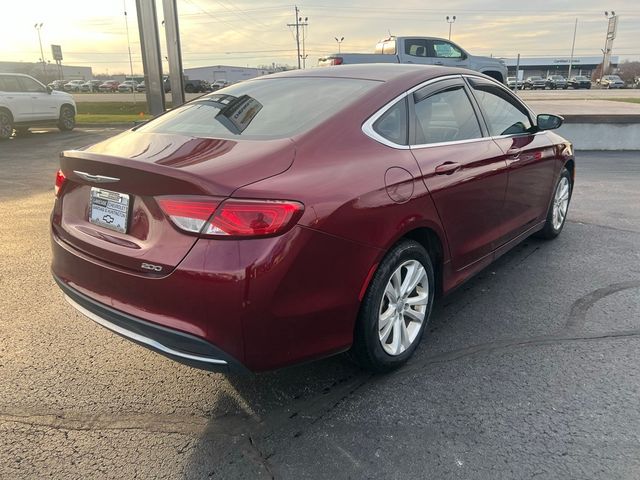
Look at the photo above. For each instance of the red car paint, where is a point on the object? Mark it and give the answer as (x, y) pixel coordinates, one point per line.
(269, 302)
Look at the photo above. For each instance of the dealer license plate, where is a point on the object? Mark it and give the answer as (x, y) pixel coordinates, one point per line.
(109, 209)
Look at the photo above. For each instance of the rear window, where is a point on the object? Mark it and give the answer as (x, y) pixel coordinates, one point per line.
(262, 109)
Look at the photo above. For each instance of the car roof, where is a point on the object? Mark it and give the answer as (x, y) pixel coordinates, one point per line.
(382, 72)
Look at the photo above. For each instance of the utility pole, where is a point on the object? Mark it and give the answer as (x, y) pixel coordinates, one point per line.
(573, 46)
(612, 28)
(339, 41)
(38, 27)
(304, 49)
(299, 23)
(126, 24)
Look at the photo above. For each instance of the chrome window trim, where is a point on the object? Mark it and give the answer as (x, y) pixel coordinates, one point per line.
(141, 338)
(367, 126)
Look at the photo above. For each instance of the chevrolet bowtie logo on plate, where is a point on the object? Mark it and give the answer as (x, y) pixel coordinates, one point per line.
(108, 219)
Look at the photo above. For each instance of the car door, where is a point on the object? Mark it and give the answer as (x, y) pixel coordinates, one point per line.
(530, 156)
(463, 169)
(18, 101)
(415, 50)
(447, 54)
(43, 105)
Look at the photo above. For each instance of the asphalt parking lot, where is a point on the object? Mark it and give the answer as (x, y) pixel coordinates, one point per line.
(529, 370)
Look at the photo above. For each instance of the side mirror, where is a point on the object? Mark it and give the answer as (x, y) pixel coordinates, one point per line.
(547, 121)
(49, 90)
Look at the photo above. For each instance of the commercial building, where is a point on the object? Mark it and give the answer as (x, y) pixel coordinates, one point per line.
(36, 69)
(228, 73)
(545, 66)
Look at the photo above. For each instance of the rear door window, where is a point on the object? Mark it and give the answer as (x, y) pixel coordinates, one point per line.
(445, 116)
(9, 83)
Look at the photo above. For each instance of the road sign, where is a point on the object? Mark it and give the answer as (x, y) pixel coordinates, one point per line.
(56, 52)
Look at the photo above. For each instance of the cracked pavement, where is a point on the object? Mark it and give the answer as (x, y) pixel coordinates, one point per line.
(530, 370)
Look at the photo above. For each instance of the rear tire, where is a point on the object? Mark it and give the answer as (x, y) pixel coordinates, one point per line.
(6, 125)
(396, 308)
(559, 207)
(67, 120)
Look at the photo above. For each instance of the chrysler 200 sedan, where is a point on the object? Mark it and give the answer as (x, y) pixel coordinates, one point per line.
(303, 214)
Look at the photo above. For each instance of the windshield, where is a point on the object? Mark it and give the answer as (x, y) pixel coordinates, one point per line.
(260, 109)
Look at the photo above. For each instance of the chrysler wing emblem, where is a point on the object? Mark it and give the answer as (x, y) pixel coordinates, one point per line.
(95, 178)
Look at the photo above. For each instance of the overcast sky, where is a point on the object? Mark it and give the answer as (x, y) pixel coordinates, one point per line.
(250, 33)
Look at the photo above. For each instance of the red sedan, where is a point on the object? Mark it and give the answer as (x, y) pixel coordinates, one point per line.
(303, 214)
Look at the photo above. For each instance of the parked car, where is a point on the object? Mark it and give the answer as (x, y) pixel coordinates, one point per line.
(190, 86)
(611, 81)
(511, 83)
(57, 85)
(127, 86)
(73, 86)
(218, 84)
(25, 102)
(109, 86)
(140, 87)
(557, 81)
(535, 82)
(208, 234)
(580, 81)
(91, 86)
(421, 50)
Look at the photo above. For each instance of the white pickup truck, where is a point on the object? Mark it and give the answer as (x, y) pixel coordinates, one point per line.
(421, 50)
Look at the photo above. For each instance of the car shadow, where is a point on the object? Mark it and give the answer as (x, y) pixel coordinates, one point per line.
(272, 409)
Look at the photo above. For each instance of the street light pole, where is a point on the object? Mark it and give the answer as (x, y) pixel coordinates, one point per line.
(450, 21)
(339, 42)
(608, 41)
(38, 26)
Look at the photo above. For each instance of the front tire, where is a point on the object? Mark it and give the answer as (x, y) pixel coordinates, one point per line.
(6, 125)
(557, 214)
(396, 308)
(67, 120)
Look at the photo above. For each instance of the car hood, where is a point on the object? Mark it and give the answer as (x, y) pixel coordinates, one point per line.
(63, 95)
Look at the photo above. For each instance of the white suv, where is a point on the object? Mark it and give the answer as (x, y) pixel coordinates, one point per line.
(25, 102)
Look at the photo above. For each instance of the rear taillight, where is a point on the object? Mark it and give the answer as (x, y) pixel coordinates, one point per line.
(233, 218)
(336, 60)
(189, 213)
(60, 179)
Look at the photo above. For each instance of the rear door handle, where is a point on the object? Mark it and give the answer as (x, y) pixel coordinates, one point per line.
(447, 168)
(437, 63)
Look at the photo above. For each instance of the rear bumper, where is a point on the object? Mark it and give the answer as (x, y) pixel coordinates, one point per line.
(179, 346)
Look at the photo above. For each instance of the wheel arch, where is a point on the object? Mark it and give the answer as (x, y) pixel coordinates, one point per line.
(432, 241)
(67, 104)
(571, 166)
(7, 110)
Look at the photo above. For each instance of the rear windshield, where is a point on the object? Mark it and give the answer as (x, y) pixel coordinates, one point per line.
(262, 109)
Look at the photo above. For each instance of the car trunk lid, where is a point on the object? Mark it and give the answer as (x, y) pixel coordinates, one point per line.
(108, 207)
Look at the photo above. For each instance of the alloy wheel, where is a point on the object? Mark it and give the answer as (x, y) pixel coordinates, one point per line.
(560, 203)
(403, 307)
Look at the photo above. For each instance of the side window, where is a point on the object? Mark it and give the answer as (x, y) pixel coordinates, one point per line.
(444, 49)
(416, 47)
(9, 84)
(446, 116)
(503, 114)
(393, 124)
(30, 85)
